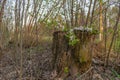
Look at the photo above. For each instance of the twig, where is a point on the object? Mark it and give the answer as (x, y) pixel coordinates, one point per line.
(90, 69)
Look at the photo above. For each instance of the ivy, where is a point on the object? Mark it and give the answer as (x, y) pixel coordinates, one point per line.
(72, 38)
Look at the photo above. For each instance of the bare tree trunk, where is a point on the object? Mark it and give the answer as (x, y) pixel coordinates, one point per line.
(101, 21)
(82, 20)
(91, 20)
(2, 10)
(1, 25)
(105, 32)
(76, 14)
(21, 38)
(115, 29)
(72, 16)
(88, 13)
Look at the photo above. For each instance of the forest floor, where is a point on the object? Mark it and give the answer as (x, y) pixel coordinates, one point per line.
(37, 65)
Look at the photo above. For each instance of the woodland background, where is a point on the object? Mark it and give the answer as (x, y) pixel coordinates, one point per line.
(26, 32)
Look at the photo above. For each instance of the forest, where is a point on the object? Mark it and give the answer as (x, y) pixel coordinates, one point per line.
(59, 39)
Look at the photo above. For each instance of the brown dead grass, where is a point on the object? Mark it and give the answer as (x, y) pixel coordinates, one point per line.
(31, 36)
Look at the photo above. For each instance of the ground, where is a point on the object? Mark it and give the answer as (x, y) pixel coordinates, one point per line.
(37, 65)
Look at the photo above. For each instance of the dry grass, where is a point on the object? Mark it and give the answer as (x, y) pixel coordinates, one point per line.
(31, 36)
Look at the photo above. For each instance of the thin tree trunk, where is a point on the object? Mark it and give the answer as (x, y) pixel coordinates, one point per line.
(1, 25)
(2, 10)
(88, 13)
(115, 29)
(91, 20)
(76, 15)
(72, 16)
(101, 21)
(105, 32)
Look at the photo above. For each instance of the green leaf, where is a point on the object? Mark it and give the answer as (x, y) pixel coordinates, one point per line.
(115, 73)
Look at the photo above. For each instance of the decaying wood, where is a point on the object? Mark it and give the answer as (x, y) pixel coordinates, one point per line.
(76, 58)
(60, 50)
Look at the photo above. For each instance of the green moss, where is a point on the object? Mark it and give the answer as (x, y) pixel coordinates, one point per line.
(66, 69)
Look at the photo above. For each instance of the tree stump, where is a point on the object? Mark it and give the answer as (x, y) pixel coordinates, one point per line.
(82, 51)
(71, 60)
(60, 51)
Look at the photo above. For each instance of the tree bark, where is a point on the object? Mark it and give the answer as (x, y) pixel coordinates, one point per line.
(101, 20)
(76, 59)
(88, 14)
(60, 50)
(1, 24)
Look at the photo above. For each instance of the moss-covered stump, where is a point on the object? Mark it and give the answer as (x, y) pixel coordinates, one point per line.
(82, 51)
(71, 60)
